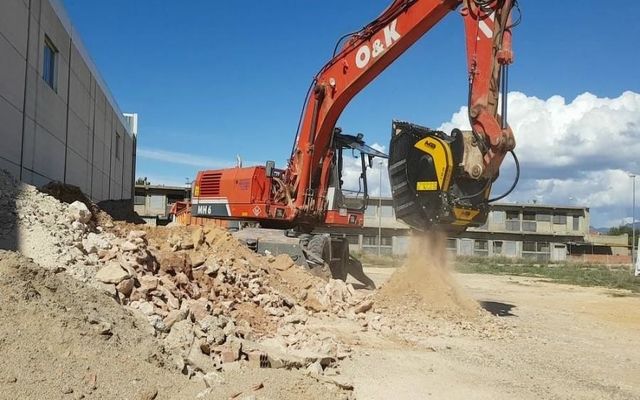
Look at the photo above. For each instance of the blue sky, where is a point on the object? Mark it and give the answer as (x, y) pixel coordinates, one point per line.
(214, 79)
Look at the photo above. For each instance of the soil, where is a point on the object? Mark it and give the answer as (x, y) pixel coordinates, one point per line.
(427, 333)
(61, 339)
(425, 281)
(555, 342)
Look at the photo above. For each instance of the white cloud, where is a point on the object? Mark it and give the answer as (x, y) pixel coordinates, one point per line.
(190, 159)
(573, 153)
(352, 168)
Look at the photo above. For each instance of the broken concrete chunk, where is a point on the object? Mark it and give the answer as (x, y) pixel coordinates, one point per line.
(148, 283)
(180, 339)
(363, 307)
(129, 246)
(126, 286)
(78, 211)
(196, 259)
(146, 308)
(314, 368)
(197, 237)
(136, 235)
(173, 317)
(94, 243)
(112, 273)
(199, 360)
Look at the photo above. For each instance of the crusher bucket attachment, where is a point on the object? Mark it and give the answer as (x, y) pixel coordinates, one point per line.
(429, 185)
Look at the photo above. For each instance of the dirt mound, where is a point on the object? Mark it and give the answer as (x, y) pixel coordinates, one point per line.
(62, 339)
(425, 281)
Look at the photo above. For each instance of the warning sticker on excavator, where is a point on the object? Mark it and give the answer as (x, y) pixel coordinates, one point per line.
(427, 186)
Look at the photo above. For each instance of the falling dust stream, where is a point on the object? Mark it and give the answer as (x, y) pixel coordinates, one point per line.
(425, 280)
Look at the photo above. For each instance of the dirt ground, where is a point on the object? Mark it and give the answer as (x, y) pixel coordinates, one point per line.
(546, 341)
(561, 342)
(105, 310)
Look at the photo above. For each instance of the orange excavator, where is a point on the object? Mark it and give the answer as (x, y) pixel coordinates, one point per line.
(438, 180)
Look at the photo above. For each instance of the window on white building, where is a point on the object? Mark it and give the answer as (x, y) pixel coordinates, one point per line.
(497, 247)
(560, 219)
(49, 63)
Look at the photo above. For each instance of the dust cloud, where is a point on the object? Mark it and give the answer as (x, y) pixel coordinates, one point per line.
(426, 281)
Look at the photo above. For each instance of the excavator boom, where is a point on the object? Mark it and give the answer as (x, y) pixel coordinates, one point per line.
(308, 192)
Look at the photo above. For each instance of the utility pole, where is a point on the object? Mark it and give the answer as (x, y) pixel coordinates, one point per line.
(380, 208)
(633, 220)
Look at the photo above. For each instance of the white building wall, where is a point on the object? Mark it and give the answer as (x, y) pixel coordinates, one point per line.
(66, 133)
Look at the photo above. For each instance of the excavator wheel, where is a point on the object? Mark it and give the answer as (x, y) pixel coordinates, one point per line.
(334, 254)
(319, 251)
(340, 258)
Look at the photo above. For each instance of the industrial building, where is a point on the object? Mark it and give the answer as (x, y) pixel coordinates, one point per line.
(534, 231)
(59, 120)
(153, 202)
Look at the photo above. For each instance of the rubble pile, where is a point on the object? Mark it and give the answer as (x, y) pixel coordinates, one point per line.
(212, 303)
(218, 302)
(50, 232)
(210, 299)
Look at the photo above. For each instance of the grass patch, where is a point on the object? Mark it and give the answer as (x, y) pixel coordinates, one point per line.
(618, 277)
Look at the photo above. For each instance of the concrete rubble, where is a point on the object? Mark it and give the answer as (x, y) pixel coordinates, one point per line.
(211, 301)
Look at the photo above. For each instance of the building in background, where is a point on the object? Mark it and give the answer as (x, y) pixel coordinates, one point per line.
(153, 202)
(534, 231)
(58, 120)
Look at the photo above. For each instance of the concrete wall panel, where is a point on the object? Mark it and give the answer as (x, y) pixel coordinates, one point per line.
(78, 138)
(14, 169)
(13, 20)
(29, 143)
(80, 99)
(52, 26)
(106, 185)
(36, 5)
(80, 68)
(48, 155)
(128, 163)
(98, 155)
(51, 111)
(78, 171)
(12, 65)
(71, 127)
(33, 80)
(34, 42)
(96, 184)
(10, 132)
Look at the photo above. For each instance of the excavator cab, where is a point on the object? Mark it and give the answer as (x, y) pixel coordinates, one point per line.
(352, 198)
(430, 187)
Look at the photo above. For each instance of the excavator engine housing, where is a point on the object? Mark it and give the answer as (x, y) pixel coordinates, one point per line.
(430, 187)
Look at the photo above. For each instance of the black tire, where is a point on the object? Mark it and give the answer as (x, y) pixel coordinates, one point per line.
(320, 248)
(339, 267)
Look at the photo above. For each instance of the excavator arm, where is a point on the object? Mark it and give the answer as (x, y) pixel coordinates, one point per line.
(364, 55)
(436, 179)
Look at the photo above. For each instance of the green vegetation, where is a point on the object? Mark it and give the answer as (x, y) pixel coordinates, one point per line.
(614, 277)
(621, 230)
